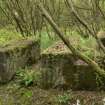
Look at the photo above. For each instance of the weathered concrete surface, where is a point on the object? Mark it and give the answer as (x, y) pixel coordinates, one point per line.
(60, 67)
(17, 55)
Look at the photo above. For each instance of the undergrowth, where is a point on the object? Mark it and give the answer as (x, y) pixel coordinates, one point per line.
(28, 77)
(8, 35)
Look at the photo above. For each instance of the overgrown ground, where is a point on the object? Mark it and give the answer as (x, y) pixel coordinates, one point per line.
(23, 89)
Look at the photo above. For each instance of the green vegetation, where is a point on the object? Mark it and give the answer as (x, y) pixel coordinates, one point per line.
(28, 77)
(46, 41)
(7, 36)
(87, 44)
(65, 98)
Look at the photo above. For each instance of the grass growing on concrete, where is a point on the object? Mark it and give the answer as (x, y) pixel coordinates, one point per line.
(10, 35)
(88, 45)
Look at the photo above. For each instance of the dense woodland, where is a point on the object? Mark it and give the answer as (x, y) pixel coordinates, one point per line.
(75, 25)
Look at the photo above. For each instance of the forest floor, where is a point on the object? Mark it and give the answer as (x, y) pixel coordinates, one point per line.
(17, 93)
(13, 94)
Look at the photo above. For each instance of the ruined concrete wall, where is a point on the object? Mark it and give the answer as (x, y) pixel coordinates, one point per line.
(63, 68)
(17, 55)
(51, 68)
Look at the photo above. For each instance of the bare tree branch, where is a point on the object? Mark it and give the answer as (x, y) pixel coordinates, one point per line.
(71, 6)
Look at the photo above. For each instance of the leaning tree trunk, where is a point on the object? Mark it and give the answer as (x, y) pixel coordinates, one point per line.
(93, 64)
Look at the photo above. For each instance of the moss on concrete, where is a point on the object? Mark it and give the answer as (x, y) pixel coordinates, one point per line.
(17, 55)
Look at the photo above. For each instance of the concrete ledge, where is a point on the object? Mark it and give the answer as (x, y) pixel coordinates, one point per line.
(17, 55)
